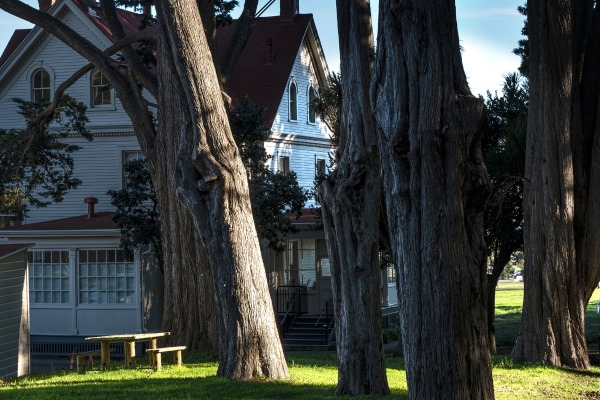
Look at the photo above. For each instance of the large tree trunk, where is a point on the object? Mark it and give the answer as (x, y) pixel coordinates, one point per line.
(212, 185)
(189, 308)
(435, 185)
(562, 185)
(350, 208)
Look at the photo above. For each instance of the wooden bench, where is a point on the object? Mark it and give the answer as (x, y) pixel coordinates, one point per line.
(157, 359)
(81, 356)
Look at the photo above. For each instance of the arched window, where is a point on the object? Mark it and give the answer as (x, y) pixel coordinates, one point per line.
(40, 85)
(101, 91)
(293, 92)
(311, 106)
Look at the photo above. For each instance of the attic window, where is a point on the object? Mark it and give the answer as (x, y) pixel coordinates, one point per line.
(40, 85)
(312, 109)
(293, 98)
(101, 90)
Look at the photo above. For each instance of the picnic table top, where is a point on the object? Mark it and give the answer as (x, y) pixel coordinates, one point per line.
(128, 337)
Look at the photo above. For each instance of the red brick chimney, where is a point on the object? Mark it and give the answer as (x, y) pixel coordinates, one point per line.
(46, 4)
(288, 9)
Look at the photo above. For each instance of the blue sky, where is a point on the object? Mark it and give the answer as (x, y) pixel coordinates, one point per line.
(488, 30)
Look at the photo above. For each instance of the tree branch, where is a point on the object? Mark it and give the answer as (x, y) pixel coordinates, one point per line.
(149, 81)
(239, 40)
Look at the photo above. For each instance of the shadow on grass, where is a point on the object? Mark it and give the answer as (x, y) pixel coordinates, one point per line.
(176, 388)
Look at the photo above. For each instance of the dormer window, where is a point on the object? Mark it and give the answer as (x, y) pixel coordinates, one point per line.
(101, 90)
(311, 106)
(40, 85)
(293, 99)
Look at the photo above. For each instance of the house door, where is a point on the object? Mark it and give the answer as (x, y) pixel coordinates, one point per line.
(324, 283)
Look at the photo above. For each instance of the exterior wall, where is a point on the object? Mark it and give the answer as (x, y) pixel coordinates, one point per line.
(98, 164)
(61, 62)
(303, 142)
(75, 318)
(14, 316)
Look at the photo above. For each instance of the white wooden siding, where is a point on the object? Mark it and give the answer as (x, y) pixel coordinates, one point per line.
(13, 316)
(98, 164)
(304, 74)
(61, 62)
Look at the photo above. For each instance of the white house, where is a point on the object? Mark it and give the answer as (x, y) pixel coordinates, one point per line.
(81, 283)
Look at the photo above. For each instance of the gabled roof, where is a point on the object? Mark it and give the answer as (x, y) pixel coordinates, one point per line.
(101, 220)
(262, 71)
(16, 39)
(10, 249)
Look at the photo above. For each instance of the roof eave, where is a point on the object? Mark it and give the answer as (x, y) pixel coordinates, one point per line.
(45, 233)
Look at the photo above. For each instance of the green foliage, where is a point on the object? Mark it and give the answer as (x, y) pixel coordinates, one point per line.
(329, 104)
(391, 334)
(36, 165)
(272, 194)
(223, 9)
(137, 212)
(523, 49)
(504, 152)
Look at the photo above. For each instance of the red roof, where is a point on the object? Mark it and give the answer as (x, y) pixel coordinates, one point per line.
(261, 77)
(101, 220)
(261, 72)
(17, 38)
(8, 249)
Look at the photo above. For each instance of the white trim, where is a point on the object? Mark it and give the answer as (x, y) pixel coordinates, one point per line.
(291, 82)
(310, 86)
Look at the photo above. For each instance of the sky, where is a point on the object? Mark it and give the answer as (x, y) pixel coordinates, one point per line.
(488, 31)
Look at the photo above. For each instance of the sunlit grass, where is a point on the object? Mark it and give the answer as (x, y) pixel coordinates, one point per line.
(313, 374)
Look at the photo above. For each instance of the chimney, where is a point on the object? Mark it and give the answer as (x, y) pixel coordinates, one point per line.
(90, 201)
(288, 9)
(46, 4)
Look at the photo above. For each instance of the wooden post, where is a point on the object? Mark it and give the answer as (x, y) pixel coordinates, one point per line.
(177, 358)
(80, 364)
(152, 345)
(130, 355)
(157, 362)
(105, 355)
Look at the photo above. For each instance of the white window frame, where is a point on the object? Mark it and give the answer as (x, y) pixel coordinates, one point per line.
(284, 164)
(103, 83)
(50, 278)
(292, 105)
(34, 89)
(93, 282)
(312, 87)
(126, 156)
(318, 170)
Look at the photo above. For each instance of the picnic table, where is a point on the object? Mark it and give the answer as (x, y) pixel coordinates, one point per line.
(129, 341)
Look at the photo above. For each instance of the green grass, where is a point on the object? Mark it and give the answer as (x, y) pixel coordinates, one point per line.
(313, 374)
(509, 304)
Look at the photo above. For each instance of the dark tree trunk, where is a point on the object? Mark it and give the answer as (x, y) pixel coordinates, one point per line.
(436, 185)
(189, 303)
(350, 208)
(562, 185)
(212, 185)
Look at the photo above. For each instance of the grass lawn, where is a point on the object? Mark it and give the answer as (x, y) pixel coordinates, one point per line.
(313, 375)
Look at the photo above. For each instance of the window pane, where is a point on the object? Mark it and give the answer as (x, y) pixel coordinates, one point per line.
(293, 102)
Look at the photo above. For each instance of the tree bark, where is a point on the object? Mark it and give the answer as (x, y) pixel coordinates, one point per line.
(435, 186)
(350, 209)
(562, 185)
(212, 185)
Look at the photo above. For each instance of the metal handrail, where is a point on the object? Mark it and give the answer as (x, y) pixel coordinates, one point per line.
(324, 309)
(290, 307)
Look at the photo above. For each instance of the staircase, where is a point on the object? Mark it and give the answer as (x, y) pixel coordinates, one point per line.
(304, 335)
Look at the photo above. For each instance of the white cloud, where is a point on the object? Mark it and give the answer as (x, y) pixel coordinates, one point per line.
(486, 64)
